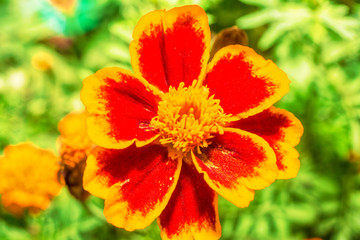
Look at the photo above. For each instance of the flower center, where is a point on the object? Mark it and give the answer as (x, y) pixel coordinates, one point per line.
(187, 117)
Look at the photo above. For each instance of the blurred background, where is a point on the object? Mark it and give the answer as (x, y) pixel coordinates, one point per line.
(47, 47)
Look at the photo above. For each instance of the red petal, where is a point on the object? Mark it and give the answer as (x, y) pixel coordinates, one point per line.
(103, 169)
(192, 210)
(106, 167)
(121, 107)
(172, 46)
(282, 130)
(237, 162)
(141, 181)
(244, 81)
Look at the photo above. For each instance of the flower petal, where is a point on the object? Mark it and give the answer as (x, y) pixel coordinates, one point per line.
(17, 201)
(244, 81)
(73, 131)
(141, 179)
(237, 162)
(101, 170)
(192, 210)
(282, 130)
(120, 108)
(172, 46)
(106, 167)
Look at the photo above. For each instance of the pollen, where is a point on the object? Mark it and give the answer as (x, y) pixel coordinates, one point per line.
(188, 118)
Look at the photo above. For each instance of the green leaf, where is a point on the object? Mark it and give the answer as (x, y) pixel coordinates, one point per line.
(273, 33)
(8, 232)
(301, 213)
(257, 19)
(261, 3)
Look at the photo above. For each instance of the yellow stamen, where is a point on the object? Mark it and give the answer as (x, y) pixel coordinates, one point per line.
(187, 118)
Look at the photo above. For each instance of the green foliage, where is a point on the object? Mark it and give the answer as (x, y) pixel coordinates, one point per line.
(311, 41)
(316, 42)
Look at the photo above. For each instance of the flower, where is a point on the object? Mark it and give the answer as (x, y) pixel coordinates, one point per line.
(42, 61)
(28, 178)
(179, 131)
(66, 6)
(74, 147)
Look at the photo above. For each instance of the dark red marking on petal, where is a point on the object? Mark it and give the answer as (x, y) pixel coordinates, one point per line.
(152, 58)
(280, 128)
(192, 209)
(171, 47)
(130, 108)
(118, 165)
(244, 82)
(148, 170)
(142, 180)
(233, 156)
(268, 126)
(184, 48)
(233, 83)
(238, 157)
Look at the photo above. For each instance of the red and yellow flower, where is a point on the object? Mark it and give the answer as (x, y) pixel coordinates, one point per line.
(28, 178)
(179, 131)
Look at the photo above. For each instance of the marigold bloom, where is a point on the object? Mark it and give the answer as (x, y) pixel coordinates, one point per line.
(28, 178)
(74, 147)
(180, 131)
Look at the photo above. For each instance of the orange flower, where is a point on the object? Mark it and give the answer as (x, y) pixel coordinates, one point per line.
(66, 6)
(28, 178)
(42, 61)
(180, 131)
(74, 147)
